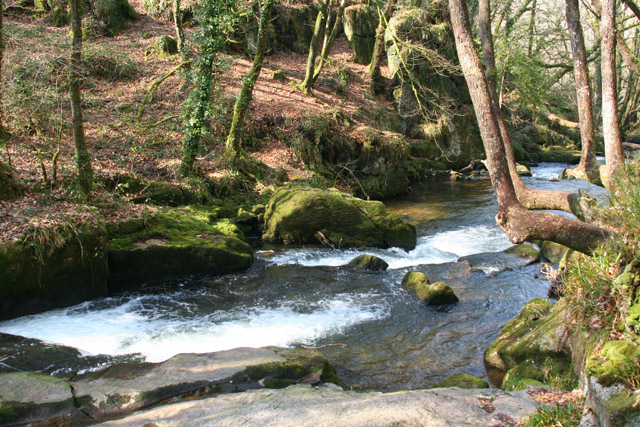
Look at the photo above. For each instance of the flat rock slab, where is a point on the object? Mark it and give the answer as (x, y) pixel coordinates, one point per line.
(494, 263)
(27, 397)
(128, 387)
(329, 405)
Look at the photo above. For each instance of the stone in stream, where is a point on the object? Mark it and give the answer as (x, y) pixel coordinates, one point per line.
(370, 263)
(302, 215)
(494, 263)
(302, 405)
(438, 293)
(553, 252)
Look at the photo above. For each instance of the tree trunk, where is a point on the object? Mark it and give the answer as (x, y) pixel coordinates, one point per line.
(233, 149)
(377, 82)
(634, 7)
(329, 38)
(4, 136)
(588, 169)
(83, 160)
(177, 22)
(610, 123)
(518, 223)
(307, 83)
(531, 199)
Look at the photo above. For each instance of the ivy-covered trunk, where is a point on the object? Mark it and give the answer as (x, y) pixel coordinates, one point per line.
(307, 83)
(177, 22)
(233, 148)
(83, 160)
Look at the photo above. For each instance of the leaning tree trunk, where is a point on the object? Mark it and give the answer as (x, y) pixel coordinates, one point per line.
(4, 136)
(329, 38)
(233, 149)
(377, 82)
(517, 222)
(307, 83)
(83, 160)
(588, 168)
(529, 198)
(610, 123)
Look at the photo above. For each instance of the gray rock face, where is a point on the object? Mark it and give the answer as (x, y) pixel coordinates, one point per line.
(331, 406)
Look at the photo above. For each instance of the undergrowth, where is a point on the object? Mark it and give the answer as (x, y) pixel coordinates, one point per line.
(602, 289)
(568, 415)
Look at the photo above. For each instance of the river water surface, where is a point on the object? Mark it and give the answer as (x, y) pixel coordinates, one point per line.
(376, 333)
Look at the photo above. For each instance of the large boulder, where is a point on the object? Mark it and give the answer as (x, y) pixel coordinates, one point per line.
(360, 23)
(422, 59)
(58, 268)
(173, 243)
(536, 341)
(311, 215)
(370, 263)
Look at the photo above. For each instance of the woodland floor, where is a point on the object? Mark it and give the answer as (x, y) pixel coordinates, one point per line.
(40, 123)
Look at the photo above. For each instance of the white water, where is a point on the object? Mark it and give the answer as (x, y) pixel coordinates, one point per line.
(129, 328)
(446, 246)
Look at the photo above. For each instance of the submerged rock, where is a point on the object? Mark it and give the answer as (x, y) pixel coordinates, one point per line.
(174, 243)
(462, 380)
(493, 263)
(438, 293)
(298, 214)
(368, 263)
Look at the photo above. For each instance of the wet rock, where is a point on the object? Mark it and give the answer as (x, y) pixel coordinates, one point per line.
(67, 268)
(554, 252)
(298, 214)
(128, 387)
(494, 263)
(522, 170)
(536, 337)
(20, 354)
(174, 243)
(329, 405)
(27, 397)
(360, 23)
(462, 380)
(438, 293)
(368, 263)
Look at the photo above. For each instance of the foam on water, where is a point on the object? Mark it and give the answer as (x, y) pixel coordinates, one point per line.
(129, 328)
(446, 246)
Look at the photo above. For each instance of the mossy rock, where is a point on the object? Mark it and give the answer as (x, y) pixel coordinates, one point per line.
(297, 214)
(526, 370)
(368, 263)
(534, 336)
(560, 156)
(163, 47)
(462, 380)
(554, 252)
(66, 267)
(174, 243)
(622, 409)
(437, 293)
(523, 170)
(109, 17)
(140, 190)
(615, 362)
(36, 399)
(10, 186)
(360, 23)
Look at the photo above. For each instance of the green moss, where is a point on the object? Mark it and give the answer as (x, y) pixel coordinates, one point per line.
(560, 156)
(554, 252)
(462, 380)
(297, 214)
(109, 17)
(535, 336)
(163, 47)
(615, 362)
(438, 293)
(633, 317)
(360, 23)
(523, 251)
(621, 410)
(368, 263)
(175, 242)
(10, 186)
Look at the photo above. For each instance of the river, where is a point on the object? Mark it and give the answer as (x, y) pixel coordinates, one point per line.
(377, 334)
